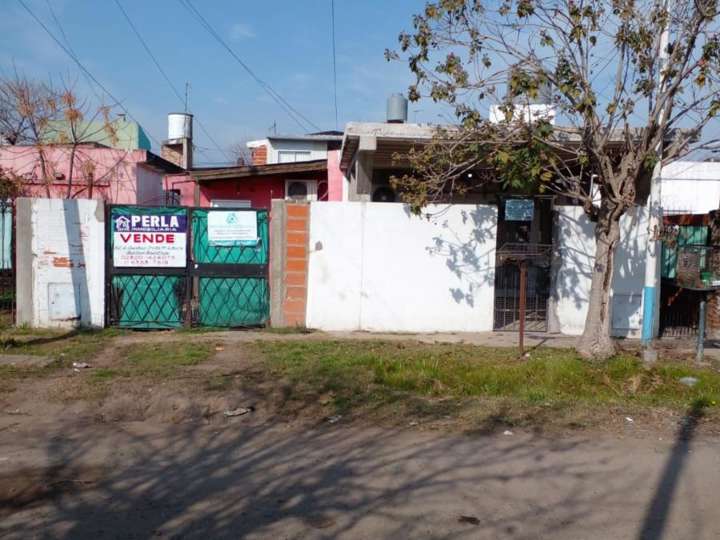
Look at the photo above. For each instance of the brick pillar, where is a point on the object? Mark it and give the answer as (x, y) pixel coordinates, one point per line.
(296, 263)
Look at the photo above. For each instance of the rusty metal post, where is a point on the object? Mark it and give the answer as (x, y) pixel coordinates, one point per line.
(523, 301)
(700, 350)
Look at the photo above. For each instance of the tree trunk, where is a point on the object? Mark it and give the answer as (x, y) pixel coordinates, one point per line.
(71, 172)
(44, 172)
(596, 342)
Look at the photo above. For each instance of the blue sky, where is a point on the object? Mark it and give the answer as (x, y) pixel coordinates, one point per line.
(287, 43)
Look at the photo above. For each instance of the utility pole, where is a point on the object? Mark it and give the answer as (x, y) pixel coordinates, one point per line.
(651, 292)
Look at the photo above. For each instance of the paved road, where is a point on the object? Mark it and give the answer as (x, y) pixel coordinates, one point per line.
(256, 481)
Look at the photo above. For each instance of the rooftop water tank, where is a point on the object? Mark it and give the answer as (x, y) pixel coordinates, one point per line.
(397, 109)
(180, 125)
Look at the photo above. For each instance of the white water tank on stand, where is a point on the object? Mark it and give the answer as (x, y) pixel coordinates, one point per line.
(180, 125)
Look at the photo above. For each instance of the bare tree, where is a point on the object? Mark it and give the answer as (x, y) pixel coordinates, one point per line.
(635, 82)
(241, 154)
(27, 112)
(37, 116)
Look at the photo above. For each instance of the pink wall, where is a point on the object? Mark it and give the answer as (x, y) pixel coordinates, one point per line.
(118, 176)
(183, 183)
(336, 178)
(259, 190)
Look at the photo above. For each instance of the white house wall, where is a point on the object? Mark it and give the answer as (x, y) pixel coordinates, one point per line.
(690, 187)
(377, 267)
(317, 149)
(61, 262)
(575, 253)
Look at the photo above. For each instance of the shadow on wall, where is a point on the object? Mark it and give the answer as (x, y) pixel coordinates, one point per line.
(573, 259)
(76, 233)
(467, 255)
(574, 252)
(629, 274)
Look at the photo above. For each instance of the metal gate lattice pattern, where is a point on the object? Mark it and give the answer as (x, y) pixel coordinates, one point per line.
(233, 302)
(220, 285)
(205, 253)
(147, 301)
(507, 298)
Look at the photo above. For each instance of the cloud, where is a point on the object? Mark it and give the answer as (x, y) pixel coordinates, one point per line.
(239, 31)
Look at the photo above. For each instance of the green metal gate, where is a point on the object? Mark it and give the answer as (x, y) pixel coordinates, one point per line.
(219, 283)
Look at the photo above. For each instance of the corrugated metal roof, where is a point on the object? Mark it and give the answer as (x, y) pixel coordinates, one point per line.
(243, 171)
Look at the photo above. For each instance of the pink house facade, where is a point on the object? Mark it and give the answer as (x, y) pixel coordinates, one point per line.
(258, 184)
(114, 175)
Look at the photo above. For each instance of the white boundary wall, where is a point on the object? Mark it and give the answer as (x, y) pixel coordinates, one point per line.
(690, 187)
(377, 267)
(60, 262)
(575, 253)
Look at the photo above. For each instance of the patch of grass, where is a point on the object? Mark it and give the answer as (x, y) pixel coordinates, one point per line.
(200, 329)
(105, 374)
(552, 379)
(162, 359)
(66, 345)
(284, 330)
(218, 383)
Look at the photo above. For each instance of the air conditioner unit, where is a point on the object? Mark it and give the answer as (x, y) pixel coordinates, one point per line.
(301, 190)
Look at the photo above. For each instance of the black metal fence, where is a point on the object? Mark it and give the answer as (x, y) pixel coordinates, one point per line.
(679, 310)
(7, 263)
(507, 298)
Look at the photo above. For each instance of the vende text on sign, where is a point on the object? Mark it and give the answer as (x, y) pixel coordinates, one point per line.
(149, 241)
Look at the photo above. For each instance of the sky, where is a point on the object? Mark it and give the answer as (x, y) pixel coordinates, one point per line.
(286, 43)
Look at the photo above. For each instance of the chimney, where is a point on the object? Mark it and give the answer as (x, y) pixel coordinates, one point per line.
(397, 108)
(259, 155)
(178, 148)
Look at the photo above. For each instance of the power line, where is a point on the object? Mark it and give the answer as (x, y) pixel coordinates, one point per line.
(300, 119)
(334, 68)
(69, 45)
(182, 100)
(82, 67)
(293, 113)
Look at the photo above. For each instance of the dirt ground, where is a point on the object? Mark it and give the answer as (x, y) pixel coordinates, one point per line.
(250, 479)
(138, 459)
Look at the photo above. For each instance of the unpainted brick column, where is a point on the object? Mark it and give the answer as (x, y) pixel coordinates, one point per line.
(296, 263)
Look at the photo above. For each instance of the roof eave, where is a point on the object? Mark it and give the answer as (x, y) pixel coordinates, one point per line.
(246, 171)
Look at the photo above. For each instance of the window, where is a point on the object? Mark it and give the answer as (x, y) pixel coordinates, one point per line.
(230, 203)
(173, 197)
(291, 156)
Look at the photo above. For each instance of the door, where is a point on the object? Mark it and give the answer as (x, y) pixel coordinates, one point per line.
(522, 220)
(172, 267)
(230, 267)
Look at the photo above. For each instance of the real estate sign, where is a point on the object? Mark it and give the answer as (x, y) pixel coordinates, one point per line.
(232, 228)
(149, 241)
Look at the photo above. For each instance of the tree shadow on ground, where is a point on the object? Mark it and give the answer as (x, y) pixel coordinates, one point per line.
(264, 480)
(655, 522)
